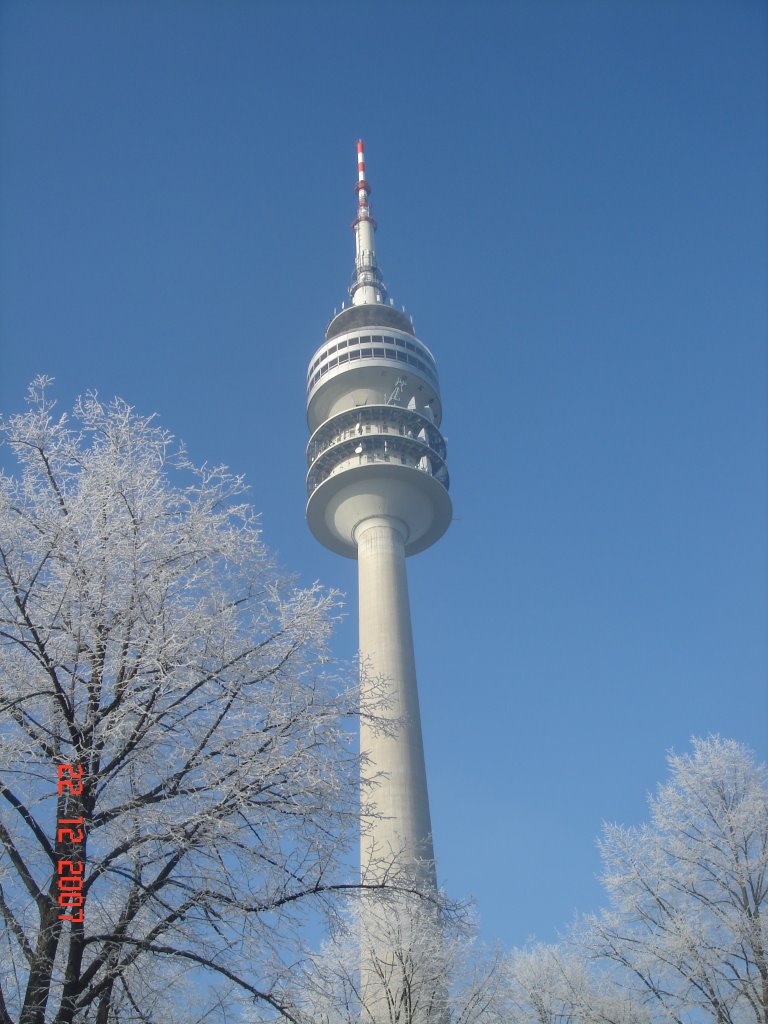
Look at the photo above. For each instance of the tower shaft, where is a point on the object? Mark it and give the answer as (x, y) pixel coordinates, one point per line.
(399, 827)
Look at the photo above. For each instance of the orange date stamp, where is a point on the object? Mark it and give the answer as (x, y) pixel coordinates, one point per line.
(70, 830)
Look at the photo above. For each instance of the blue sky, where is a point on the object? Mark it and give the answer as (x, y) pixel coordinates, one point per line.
(571, 200)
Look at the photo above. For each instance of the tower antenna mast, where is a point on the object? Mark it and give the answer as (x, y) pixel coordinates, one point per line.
(367, 284)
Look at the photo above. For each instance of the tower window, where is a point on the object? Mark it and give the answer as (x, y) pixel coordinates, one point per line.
(378, 353)
(400, 342)
(366, 353)
(391, 355)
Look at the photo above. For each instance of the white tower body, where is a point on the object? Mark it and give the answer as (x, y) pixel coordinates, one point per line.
(378, 492)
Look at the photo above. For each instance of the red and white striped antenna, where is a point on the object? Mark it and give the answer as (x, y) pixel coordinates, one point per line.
(362, 188)
(367, 285)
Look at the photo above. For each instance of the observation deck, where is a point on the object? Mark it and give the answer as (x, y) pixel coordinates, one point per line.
(374, 410)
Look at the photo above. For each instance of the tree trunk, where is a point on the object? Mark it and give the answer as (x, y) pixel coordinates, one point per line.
(39, 983)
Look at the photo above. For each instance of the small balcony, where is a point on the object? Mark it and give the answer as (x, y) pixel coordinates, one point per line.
(366, 449)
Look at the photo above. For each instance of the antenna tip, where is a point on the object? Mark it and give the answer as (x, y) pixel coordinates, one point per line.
(359, 145)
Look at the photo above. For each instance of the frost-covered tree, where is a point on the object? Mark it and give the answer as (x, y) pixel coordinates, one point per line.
(163, 693)
(553, 985)
(684, 938)
(402, 959)
(687, 927)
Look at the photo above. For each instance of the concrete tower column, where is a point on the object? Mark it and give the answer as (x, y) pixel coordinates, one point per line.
(400, 827)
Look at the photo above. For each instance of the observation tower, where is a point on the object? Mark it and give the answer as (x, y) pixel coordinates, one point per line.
(378, 492)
